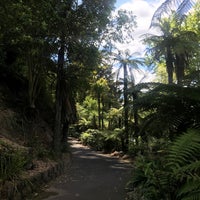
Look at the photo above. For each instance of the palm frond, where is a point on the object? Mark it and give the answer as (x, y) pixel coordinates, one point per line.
(181, 7)
(185, 6)
(174, 108)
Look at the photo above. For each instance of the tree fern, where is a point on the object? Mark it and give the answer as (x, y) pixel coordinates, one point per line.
(173, 108)
(181, 7)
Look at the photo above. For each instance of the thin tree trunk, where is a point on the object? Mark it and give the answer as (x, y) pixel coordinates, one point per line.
(58, 115)
(102, 114)
(126, 107)
(119, 122)
(33, 79)
(65, 112)
(180, 66)
(135, 116)
(99, 111)
(170, 67)
(65, 131)
(94, 124)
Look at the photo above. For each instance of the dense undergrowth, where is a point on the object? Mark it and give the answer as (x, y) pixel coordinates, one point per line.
(172, 173)
(106, 141)
(12, 161)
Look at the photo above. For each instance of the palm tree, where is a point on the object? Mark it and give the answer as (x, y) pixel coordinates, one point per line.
(127, 63)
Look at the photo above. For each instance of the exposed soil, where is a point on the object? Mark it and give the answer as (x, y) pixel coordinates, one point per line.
(92, 176)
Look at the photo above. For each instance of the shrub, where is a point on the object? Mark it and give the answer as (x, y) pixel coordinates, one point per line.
(173, 176)
(74, 131)
(92, 138)
(113, 140)
(101, 140)
(12, 163)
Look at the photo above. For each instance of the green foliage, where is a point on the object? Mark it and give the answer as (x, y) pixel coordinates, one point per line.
(74, 131)
(115, 118)
(101, 140)
(41, 152)
(183, 160)
(88, 112)
(177, 46)
(12, 162)
(175, 175)
(92, 138)
(167, 110)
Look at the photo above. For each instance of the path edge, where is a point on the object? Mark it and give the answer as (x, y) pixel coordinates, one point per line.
(26, 186)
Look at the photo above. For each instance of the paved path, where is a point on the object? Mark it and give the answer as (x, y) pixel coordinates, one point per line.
(92, 176)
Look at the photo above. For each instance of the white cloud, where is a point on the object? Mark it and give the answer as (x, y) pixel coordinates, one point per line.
(143, 10)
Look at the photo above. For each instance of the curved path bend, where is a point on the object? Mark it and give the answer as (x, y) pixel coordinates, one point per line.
(92, 176)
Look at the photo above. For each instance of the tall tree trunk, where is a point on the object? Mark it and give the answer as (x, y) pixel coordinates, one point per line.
(126, 107)
(135, 116)
(102, 114)
(94, 124)
(65, 130)
(180, 66)
(66, 109)
(33, 79)
(99, 110)
(58, 115)
(170, 66)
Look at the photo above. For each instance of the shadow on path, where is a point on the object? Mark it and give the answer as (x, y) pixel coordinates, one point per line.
(92, 176)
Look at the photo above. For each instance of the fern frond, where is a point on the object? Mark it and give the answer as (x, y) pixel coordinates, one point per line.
(191, 170)
(190, 191)
(181, 7)
(176, 175)
(185, 149)
(175, 108)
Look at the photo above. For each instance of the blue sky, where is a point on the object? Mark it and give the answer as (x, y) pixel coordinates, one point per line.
(120, 2)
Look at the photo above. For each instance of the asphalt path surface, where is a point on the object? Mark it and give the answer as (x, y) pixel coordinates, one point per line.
(92, 176)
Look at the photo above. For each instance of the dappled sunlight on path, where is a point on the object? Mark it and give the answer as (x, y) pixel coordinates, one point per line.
(92, 176)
